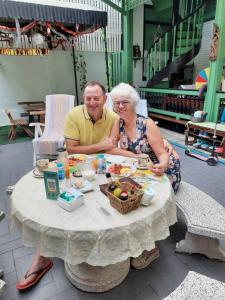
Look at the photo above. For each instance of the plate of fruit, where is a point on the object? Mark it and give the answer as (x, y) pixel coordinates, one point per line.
(121, 170)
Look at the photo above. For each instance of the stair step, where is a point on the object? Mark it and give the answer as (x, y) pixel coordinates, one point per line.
(183, 42)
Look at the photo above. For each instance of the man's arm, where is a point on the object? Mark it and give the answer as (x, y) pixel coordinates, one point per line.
(74, 147)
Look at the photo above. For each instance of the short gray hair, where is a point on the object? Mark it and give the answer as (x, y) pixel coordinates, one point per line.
(127, 91)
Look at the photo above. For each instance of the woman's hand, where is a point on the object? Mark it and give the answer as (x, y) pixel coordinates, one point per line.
(170, 150)
(158, 169)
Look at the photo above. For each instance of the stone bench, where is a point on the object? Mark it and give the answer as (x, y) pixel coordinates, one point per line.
(2, 286)
(205, 220)
(196, 286)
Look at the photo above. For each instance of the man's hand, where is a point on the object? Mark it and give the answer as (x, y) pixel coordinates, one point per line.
(108, 144)
(169, 148)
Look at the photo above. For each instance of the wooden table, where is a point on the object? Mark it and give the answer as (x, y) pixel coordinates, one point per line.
(33, 109)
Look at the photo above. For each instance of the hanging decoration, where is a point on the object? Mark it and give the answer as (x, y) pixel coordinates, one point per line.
(35, 25)
(214, 43)
(39, 35)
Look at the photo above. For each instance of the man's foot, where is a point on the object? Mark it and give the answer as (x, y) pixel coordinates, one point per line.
(33, 275)
(143, 260)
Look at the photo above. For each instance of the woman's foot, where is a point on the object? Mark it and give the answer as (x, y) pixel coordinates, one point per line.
(35, 273)
(143, 260)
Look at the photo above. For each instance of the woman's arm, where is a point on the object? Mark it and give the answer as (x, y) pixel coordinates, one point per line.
(156, 142)
(169, 148)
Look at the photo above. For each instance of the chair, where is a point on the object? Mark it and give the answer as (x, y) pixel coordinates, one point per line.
(46, 143)
(17, 123)
(141, 108)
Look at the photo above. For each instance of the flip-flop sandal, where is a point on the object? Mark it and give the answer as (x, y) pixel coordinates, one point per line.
(38, 275)
(198, 144)
(204, 146)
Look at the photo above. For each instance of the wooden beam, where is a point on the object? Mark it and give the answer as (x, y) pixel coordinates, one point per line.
(211, 105)
(114, 6)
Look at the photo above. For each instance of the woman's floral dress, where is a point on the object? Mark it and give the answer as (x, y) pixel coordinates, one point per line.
(141, 145)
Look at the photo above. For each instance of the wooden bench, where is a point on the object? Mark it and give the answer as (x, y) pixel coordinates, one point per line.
(167, 118)
(205, 220)
(196, 286)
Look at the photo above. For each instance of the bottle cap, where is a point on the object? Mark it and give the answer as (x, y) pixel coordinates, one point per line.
(59, 165)
(107, 175)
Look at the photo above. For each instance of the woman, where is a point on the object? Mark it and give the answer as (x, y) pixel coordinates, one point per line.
(137, 134)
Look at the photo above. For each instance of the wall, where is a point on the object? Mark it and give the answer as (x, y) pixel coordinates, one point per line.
(29, 78)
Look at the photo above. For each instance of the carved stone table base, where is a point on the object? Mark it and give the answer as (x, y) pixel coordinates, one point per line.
(97, 279)
(194, 243)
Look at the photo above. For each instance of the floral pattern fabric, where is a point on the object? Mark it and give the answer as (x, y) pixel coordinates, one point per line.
(141, 145)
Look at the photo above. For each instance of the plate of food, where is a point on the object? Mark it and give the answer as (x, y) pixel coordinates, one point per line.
(121, 170)
(83, 186)
(78, 157)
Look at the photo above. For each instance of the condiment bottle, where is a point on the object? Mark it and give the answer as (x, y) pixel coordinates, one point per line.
(101, 164)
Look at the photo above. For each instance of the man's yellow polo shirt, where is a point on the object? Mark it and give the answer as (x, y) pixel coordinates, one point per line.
(79, 126)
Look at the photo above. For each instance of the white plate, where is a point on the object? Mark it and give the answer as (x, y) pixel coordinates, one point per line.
(115, 159)
(86, 188)
(37, 174)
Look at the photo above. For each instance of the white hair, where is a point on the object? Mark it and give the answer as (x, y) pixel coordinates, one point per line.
(127, 91)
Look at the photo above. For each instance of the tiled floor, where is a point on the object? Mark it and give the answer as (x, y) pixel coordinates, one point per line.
(153, 283)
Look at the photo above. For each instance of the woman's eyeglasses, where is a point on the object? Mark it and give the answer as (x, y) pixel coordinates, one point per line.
(122, 103)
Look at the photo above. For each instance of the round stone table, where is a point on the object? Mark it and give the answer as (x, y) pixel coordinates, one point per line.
(95, 241)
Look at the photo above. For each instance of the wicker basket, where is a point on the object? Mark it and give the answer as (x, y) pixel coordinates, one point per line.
(133, 200)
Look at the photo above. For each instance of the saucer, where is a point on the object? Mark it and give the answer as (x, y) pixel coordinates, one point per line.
(37, 173)
(142, 168)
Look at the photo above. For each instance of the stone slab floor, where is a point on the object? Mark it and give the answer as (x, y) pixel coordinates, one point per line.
(153, 283)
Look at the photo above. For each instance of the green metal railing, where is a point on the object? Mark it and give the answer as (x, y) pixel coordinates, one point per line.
(115, 68)
(185, 35)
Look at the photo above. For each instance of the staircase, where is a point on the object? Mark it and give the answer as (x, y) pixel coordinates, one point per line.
(179, 45)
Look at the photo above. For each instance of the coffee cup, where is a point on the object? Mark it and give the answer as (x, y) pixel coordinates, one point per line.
(42, 164)
(143, 160)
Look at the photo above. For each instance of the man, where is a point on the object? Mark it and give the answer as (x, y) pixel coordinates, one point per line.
(87, 129)
(87, 126)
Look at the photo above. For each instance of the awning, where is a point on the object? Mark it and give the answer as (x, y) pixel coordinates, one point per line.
(51, 11)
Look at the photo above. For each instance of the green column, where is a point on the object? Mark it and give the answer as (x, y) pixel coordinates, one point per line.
(127, 62)
(212, 102)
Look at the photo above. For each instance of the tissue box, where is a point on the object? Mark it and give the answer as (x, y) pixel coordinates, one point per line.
(70, 199)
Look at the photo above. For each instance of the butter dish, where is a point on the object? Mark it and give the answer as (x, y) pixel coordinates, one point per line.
(70, 199)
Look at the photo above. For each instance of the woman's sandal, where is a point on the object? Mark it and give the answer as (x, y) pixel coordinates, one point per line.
(38, 275)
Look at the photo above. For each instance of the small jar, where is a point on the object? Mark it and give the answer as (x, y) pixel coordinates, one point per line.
(123, 196)
(108, 177)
